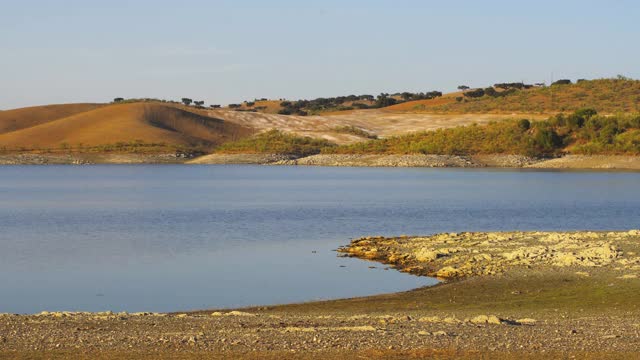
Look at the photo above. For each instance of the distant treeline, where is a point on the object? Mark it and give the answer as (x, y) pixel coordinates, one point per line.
(351, 102)
(198, 104)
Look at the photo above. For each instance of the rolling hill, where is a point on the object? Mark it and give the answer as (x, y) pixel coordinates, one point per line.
(134, 123)
(12, 120)
(608, 96)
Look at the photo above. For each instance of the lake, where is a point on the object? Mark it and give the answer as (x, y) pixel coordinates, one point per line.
(179, 237)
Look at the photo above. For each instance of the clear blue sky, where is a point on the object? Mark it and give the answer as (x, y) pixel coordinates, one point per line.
(227, 51)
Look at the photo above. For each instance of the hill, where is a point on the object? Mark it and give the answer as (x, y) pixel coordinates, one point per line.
(607, 96)
(110, 127)
(12, 120)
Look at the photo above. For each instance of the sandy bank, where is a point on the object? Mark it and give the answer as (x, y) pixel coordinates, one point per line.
(591, 162)
(255, 159)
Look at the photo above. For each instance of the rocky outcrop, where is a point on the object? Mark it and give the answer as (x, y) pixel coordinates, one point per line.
(459, 255)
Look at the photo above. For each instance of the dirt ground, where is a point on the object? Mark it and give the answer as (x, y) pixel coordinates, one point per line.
(379, 122)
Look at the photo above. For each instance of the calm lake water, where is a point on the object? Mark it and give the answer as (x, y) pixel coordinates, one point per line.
(169, 238)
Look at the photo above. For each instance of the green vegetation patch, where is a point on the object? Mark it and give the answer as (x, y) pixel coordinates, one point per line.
(354, 130)
(276, 142)
(582, 132)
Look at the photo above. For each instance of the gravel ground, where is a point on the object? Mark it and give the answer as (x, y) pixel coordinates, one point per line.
(261, 332)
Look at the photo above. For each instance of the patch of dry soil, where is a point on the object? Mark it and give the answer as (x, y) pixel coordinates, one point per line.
(378, 122)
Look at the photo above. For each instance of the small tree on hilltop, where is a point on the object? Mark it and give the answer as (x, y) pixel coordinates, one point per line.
(562, 82)
(187, 101)
(463, 87)
(118, 99)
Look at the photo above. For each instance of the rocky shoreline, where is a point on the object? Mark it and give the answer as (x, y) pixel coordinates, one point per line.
(429, 161)
(462, 255)
(89, 158)
(576, 162)
(507, 295)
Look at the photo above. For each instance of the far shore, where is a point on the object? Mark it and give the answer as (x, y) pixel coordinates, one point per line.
(577, 162)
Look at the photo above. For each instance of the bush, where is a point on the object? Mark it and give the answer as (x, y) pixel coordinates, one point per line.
(276, 142)
(477, 93)
(562, 82)
(524, 125)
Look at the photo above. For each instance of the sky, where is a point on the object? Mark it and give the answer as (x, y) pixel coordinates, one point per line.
(218, 51)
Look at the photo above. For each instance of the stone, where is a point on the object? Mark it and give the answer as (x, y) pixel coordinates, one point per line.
(526, 321)
(448, 272)
(239, 313)
(494, 320)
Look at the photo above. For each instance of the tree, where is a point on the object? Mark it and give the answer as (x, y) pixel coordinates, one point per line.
(199, 103)
(214, 106)
(406, 96)
(118, 99)
(562, 82)
(463, 87)
(474, 93)
(524, 125)
(384, 100)
(187, 101)
(547, 140)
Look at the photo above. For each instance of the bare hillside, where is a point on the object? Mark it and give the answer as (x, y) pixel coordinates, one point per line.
(380, 122)
(125, 123)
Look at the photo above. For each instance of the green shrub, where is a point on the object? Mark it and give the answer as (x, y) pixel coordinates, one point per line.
(276, 142)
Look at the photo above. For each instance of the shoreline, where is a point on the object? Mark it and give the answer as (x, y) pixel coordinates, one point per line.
(567, 162)
(510, 295)
(574, 162)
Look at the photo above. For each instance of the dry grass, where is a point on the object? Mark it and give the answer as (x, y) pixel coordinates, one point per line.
(435, 354)
(126, 123)
(605, 95)
(424, 104)
(12, 120)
